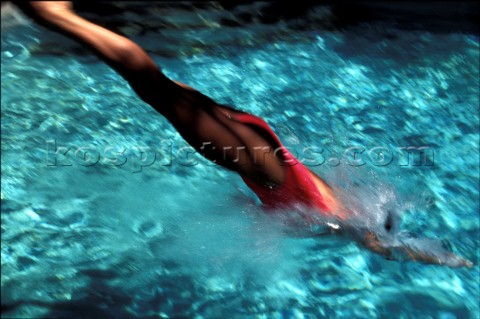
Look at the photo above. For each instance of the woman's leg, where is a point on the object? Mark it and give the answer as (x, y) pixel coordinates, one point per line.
(208, 127)
(120, 53)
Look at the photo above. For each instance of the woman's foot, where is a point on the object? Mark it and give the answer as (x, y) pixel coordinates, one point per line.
(45, 11)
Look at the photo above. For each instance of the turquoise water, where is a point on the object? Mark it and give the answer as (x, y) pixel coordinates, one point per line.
(164, 238)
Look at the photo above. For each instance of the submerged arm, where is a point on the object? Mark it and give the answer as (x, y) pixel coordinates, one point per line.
(414, 251)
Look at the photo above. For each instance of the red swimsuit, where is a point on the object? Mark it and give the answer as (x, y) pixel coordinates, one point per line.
(298, 186)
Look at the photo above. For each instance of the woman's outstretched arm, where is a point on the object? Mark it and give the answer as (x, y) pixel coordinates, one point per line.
(417, 250)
